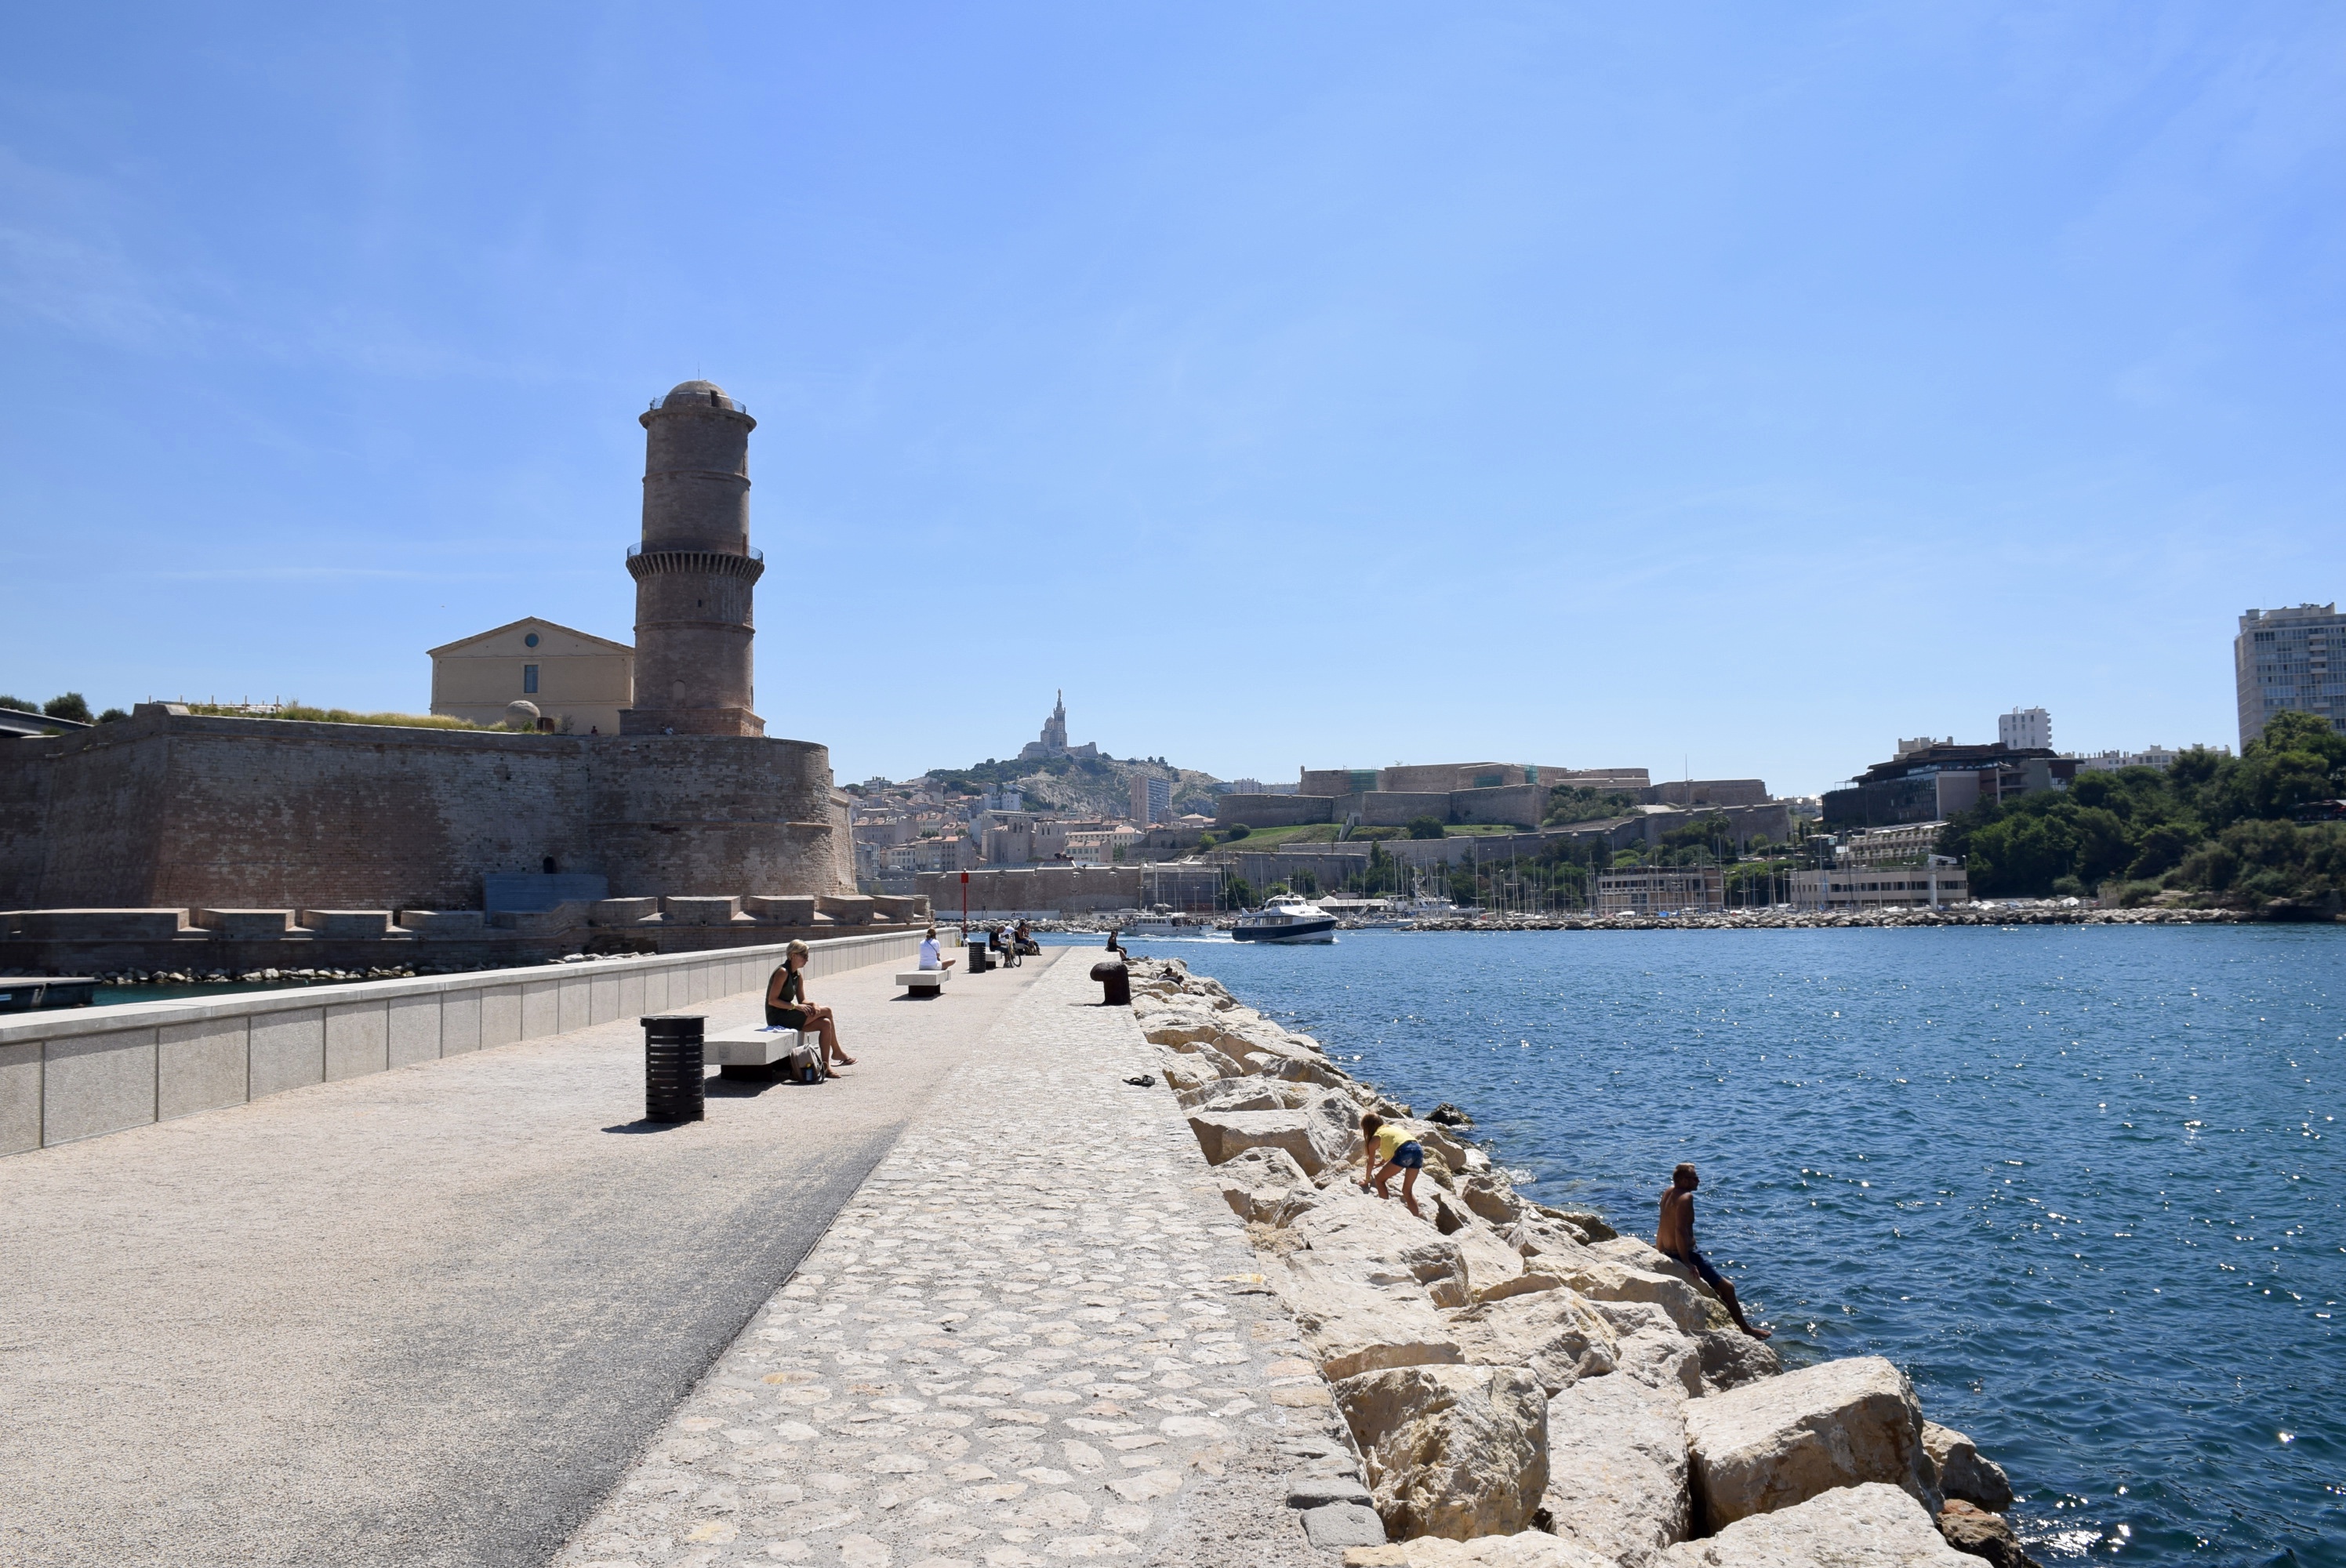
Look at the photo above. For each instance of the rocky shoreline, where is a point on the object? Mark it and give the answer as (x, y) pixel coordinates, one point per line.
(1521, 1386)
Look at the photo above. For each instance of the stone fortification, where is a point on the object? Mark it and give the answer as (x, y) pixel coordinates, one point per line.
(169, 811)
(172, 809)
(1526, 1388)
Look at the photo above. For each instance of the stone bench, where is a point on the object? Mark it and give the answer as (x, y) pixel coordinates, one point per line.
(755, 1050)
(919, 982)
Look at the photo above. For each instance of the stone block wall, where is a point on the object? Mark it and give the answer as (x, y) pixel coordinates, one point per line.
(1273, 811)
(175, 809)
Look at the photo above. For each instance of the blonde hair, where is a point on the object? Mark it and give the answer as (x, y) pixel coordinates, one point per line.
(796, 949)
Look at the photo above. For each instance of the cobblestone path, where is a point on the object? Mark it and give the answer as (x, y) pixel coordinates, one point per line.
(1035, 1335)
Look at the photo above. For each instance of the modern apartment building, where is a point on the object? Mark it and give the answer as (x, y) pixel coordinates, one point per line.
(2026, 730)
(1152, 799)
(2281, 663)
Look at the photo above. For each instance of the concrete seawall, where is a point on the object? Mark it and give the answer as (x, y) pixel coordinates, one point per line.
(72, 1075)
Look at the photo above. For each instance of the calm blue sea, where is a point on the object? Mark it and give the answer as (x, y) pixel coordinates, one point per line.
(2084, 1184)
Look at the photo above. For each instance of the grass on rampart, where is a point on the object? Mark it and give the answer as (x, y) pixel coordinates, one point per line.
(296, 712)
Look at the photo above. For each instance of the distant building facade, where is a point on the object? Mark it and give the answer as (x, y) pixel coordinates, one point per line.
(2282, 663)
(1661, 890)
(1856, 888)
(578, 682)
(2026, 730)
(2159, 757)
(1909, 843)
(1931, 781)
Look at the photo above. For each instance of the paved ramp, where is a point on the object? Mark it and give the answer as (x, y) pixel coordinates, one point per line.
(425, 1316)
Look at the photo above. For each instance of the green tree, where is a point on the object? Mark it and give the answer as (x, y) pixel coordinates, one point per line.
(1237, 830)
(1425, 827)
(71, 706)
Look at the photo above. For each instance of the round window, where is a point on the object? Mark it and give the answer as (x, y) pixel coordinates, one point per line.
(530, 641)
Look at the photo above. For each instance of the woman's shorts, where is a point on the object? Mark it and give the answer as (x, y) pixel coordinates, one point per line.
(785, 1018)
(1410, 1156)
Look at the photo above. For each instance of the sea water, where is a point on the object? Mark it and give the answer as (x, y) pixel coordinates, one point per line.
(2083, 1183)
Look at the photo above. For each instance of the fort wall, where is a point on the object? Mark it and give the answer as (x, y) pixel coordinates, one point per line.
(171, 810)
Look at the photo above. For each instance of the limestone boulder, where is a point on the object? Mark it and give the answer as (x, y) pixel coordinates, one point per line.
(1353, 1324)
(1491, 1264)
(1184, 1072)
(1336, 1125)
(1226, 1134)
(1964, 1471)
(1552, 1332)
(1314, 1072)
(1651, 1350)
(1588, 1222)
(1870, 1526)
(1258, 1184)
(1381, 1240)
(1776, 1443)
(1602, 1279)
(1731, 1358)
(1492, 1200)
(1616, 1470)
(1976, 1532)
(1237, 1095)
(1454, 1452)
(1530, 1549)
(1535, 1235)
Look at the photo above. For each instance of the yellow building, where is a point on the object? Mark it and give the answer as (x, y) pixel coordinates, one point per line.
(576, 682)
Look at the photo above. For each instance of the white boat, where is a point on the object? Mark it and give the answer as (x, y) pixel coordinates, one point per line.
(1285, 917)
(1163, 922)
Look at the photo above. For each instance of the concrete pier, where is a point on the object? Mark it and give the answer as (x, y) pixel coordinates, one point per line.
(468, 1311)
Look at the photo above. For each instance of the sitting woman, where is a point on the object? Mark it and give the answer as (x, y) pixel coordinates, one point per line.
(787, 1007)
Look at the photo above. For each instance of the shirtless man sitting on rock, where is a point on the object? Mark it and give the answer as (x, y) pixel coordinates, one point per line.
(1674, 1237)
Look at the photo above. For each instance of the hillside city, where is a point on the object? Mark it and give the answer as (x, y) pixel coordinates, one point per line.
(1940, 821)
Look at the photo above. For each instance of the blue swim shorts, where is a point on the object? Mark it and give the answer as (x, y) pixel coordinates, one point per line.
(1702, 1266)
(1410, 1156)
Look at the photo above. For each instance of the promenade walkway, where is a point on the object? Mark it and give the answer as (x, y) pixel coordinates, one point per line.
(424, 1317)
(1035, 1336)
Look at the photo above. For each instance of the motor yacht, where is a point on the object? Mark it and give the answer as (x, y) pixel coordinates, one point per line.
(1285, 917)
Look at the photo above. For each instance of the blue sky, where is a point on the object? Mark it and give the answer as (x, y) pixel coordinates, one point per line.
(1723, 389)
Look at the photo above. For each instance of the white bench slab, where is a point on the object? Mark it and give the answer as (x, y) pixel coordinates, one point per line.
(752, 1045)
(923, 979)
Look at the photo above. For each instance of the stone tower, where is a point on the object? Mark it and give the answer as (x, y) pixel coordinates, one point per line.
(693, 570)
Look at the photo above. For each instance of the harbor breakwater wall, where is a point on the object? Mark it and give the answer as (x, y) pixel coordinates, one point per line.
(79, 1073)
(1525, 1387)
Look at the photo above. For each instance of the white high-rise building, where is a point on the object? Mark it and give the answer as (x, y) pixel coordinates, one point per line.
(2026, 728)
(2281, 663)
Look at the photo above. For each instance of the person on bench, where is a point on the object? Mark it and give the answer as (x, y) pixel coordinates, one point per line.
(787, 1007)
(931, 956)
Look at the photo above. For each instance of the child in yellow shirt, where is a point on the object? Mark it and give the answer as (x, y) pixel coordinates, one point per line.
(1387, 1149)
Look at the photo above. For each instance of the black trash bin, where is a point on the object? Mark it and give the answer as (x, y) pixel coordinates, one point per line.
(676, 1084)
(977, 964)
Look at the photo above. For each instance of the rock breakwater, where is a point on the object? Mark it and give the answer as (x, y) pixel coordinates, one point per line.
(1522, 1386)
